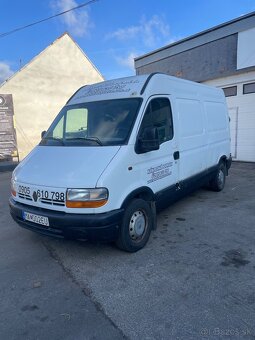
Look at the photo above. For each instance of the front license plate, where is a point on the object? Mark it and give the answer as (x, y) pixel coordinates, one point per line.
(36, 218)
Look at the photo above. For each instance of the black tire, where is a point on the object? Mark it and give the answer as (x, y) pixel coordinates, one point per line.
(218, 182)
(136, 226)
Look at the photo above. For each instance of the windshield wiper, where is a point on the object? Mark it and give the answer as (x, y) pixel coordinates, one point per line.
(93, 139)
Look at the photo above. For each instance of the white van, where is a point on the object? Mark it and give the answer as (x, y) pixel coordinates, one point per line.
(118, 150)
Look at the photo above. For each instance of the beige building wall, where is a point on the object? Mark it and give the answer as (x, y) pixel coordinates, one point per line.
(42, 87)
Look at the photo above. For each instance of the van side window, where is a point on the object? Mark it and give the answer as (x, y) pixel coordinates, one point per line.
(59, 128)
(159, 114)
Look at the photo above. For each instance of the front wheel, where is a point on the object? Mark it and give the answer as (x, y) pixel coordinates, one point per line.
(136, 226)
(218, 182)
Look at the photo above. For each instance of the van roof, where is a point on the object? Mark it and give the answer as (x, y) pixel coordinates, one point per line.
(135, 86)
(109, 89)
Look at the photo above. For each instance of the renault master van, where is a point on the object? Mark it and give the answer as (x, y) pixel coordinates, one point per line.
(116, 152)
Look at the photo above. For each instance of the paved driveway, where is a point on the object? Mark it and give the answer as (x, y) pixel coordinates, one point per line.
(195, 278)
(39, 299)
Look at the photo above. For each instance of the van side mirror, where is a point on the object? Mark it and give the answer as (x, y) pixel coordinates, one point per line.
(148, 141)
(43, 133)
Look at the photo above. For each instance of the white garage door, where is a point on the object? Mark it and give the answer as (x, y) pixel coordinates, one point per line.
(233, 114)
(242, 125)
(240, 92)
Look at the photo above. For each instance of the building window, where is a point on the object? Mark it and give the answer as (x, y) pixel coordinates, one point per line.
(230, 91)
(249, 88)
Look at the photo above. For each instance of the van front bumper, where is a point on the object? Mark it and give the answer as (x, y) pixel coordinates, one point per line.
(93, 227)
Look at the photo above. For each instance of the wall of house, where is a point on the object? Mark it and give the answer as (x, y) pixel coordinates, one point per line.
(44, 85)
(211, 60)
(222, 51)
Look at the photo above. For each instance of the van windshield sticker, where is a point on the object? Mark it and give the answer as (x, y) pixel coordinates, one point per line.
(158, 172)
(109, 87)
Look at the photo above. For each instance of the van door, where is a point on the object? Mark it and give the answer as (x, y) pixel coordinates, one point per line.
(192, 137)
(159, 169)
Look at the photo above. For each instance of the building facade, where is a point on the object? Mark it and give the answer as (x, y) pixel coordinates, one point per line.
(223, 56)
(42, 87)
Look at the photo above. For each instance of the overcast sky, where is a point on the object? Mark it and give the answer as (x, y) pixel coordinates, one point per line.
(110, 32)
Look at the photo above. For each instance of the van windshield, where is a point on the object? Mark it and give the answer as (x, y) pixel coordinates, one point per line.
(107, 122)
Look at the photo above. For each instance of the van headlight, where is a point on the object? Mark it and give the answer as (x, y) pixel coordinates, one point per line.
(86, 198)
(13, 187)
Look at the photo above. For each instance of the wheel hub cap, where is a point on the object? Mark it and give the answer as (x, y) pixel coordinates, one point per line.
(137, 225)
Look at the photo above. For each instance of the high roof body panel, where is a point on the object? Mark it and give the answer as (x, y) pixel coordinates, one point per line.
(144, 86)
(110, 89)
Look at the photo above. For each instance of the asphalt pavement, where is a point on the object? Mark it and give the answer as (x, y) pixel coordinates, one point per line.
(39, 299)
(194, 280)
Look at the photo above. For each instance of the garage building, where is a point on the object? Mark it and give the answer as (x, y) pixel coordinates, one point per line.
(223, 56)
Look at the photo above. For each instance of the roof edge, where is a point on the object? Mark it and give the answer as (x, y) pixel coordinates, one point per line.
(85, 55)
(34, 58)
(43, 51)
(196, 35)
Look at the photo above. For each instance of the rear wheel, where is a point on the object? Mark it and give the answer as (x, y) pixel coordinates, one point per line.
(136, 226)
(218, 182)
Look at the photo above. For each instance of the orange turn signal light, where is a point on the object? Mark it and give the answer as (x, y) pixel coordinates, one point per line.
(85, 204)
(13, 192)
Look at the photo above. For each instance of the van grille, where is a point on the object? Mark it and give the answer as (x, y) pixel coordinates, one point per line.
(52, 202)
(25, 197)
(47, 201)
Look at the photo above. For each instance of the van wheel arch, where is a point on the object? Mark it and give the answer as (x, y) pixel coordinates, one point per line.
(136, 226)
(218, 181)
(223, 158)
(146, 194)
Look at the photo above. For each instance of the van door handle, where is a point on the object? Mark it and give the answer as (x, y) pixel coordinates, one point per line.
(176, 155)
